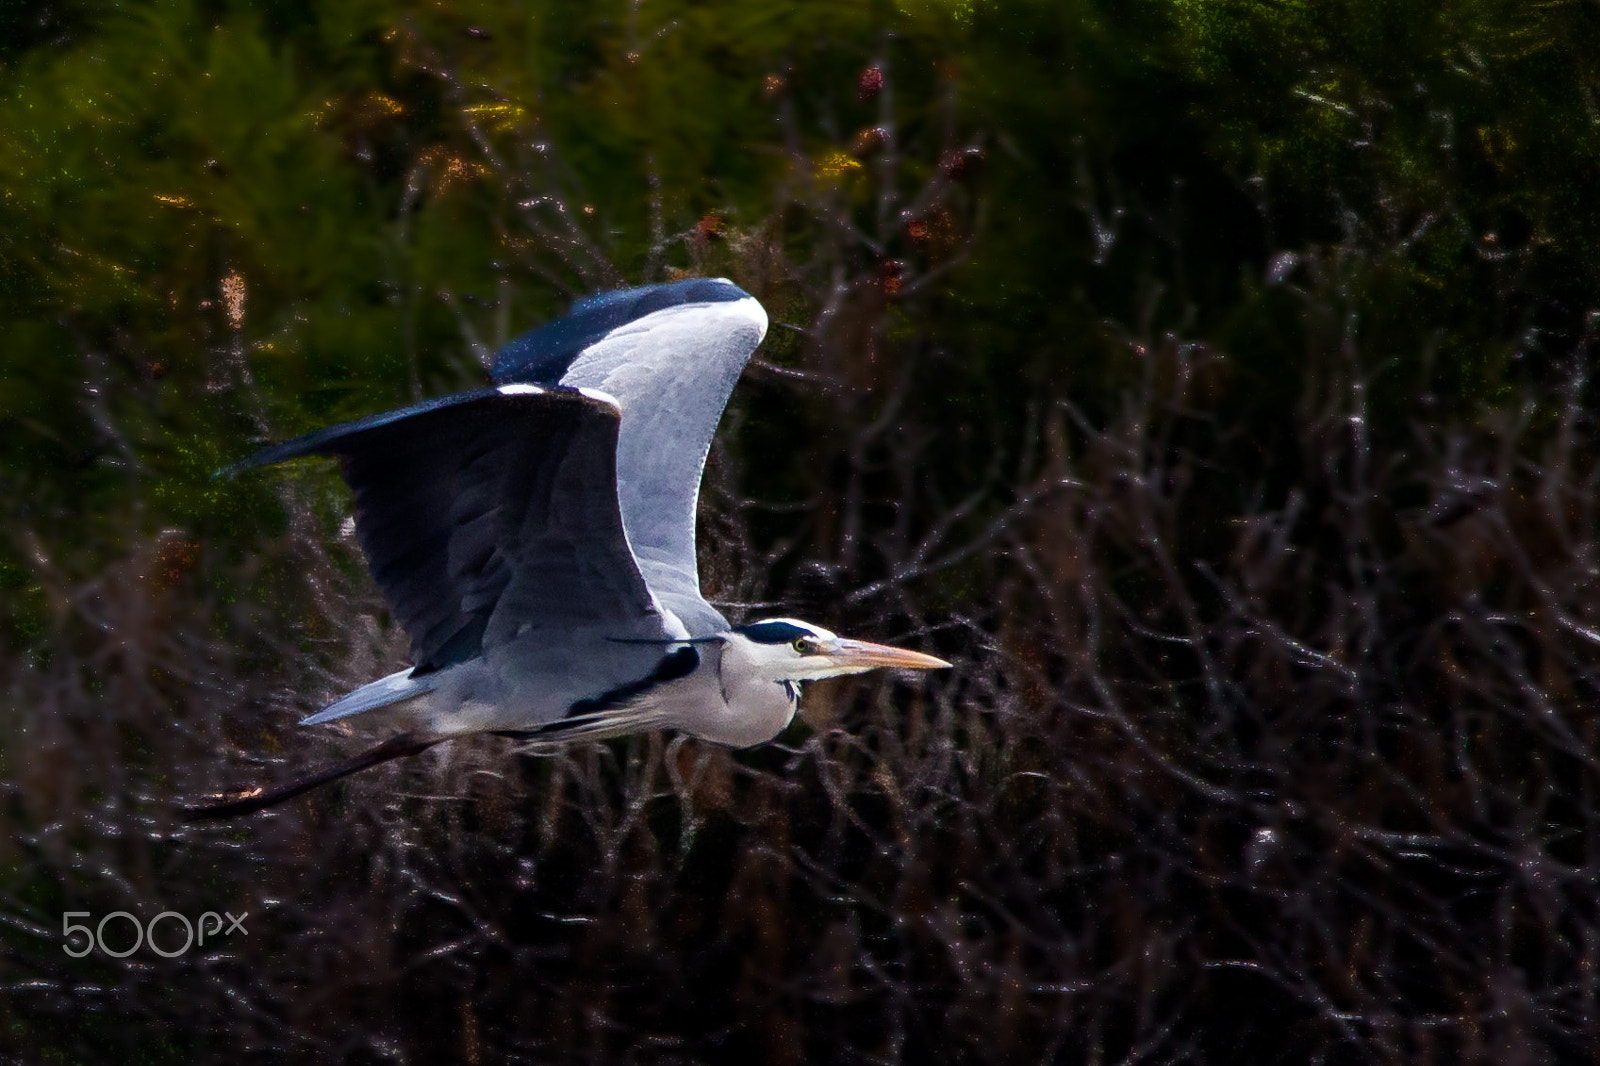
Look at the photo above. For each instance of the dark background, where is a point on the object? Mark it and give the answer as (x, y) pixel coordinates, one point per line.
(1210, 381)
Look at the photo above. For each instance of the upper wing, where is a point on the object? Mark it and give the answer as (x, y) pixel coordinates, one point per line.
(670, 354)
(489, 512)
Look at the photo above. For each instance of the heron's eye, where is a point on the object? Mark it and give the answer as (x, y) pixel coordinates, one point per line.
(803, 646)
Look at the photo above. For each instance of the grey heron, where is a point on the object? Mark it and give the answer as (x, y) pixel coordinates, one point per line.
(536, 541)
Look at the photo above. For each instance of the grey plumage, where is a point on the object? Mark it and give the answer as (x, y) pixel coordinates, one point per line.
(536, 542)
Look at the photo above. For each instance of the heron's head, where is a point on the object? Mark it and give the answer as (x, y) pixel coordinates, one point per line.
(784, 649)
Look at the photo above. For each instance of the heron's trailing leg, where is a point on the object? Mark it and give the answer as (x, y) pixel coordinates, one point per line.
(400, 747)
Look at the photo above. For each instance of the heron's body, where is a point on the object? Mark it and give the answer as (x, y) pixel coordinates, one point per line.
(711, 690)
(536, 540)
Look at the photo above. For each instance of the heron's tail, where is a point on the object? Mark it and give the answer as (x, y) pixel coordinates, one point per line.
(256, 799)
(396, 688)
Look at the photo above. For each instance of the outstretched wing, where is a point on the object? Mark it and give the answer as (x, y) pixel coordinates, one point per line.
(490, 512)
(670, 355)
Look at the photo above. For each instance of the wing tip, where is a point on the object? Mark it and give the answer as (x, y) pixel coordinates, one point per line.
(271, 455)
(546, 353)
(757, 314)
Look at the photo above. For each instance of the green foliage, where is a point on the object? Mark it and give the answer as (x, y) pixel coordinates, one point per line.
(1455, 144)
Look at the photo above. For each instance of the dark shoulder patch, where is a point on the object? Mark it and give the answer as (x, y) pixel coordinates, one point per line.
(543, 355)
(773, 632)
(676, 664)
(680, 663)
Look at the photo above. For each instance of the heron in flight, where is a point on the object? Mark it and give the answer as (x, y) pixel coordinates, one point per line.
(536, 540)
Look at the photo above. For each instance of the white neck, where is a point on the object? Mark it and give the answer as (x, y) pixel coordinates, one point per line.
(755, 707)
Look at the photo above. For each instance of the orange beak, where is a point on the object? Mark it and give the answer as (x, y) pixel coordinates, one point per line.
(855, 655)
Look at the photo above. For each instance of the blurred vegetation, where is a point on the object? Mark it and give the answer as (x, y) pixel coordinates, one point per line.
(1209, 379)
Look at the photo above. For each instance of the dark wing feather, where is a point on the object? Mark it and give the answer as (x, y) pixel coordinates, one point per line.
(483, 512)
(542, 356)
(670, 355)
